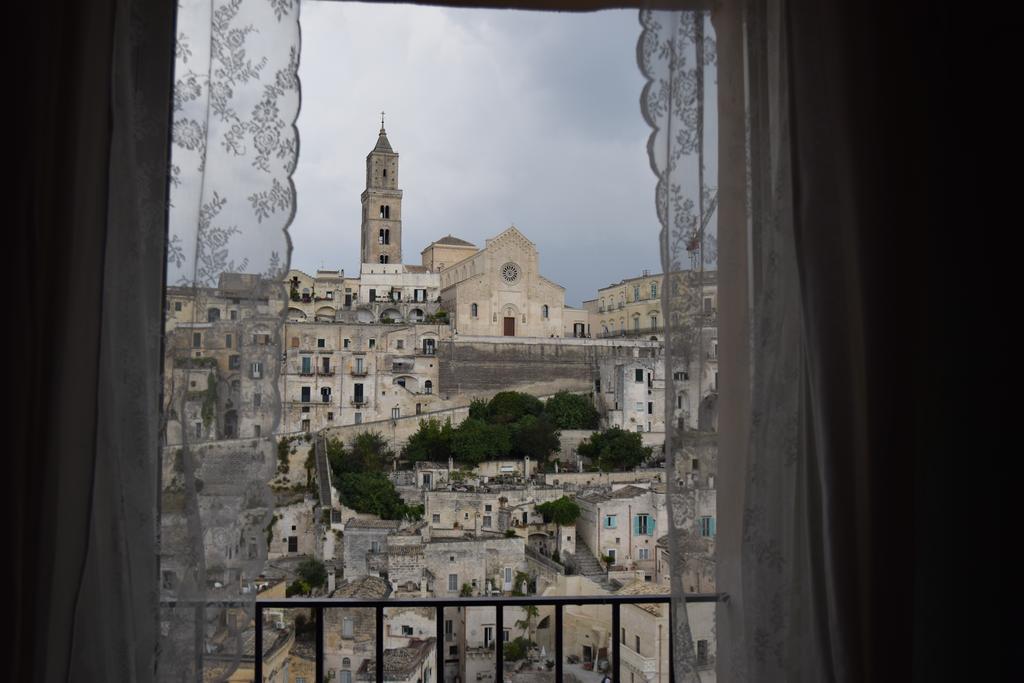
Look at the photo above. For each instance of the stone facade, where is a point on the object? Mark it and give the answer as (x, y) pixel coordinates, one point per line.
(382, 205)
(365, 546)
(499, 291)
(624, 523)
(341, 373)
(485, 511)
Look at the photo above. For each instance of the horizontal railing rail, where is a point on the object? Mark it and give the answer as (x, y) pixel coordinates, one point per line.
(318, 605)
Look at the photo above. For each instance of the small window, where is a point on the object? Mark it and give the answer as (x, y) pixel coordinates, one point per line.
(395, 413)
(545, 310)
(654, 290)
(257, 400)
(428, 387)
(487, 522)
(639, 375)
(435, 518)
(234, 362)
(373, 343)
(406, 630)
(295, 342)
(227, 341)
(345, 343)
(234, 315)
(197, 340)
(474, 310)
(347, 630)
(453, 582)
(400, 344)
(321, 343)
(177, 305)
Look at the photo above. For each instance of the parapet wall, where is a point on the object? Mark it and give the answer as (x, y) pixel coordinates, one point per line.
(489, 364)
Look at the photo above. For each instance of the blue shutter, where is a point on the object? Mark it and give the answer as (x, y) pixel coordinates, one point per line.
(650, 526)
(712, 525)
(636, 525)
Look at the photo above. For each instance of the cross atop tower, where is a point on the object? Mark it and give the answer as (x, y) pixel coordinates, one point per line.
(382, 120)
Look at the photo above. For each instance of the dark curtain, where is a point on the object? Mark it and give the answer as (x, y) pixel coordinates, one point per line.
(91, 104)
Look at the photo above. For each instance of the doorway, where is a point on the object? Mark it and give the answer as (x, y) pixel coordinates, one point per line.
(510, 327)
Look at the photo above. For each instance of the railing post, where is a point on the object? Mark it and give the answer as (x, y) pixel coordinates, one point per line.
(257, 655)
(499, 646)
(439, 634)
(318, 613)
(672, 642)
(558, 642)
(379, 643)
(616, 638)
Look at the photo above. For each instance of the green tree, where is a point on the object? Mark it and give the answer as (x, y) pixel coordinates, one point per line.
(297, 587)
(478, 410)
(517, 649)
(526, 624)
(371, 492)
(475, 441)
(535, 437)
(369, 453)
(571, 411)
(432, 441)
(313, 572)
(507, 407)
(563, 511)
(615, 450)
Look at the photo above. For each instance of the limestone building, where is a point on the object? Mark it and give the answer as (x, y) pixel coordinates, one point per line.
(499, 291)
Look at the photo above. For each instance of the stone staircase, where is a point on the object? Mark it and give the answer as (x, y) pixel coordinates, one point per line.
(587, 565)
(323, 472)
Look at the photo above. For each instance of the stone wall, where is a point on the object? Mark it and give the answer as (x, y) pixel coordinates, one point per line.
(480, 364)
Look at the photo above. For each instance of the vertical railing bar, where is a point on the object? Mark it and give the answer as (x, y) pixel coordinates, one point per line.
(318, 612)
(441, 644)
(499, 643)
(198, 618)
(558, 642)
(257, 654)
(616, 641)
(672, 642)
(378, 644)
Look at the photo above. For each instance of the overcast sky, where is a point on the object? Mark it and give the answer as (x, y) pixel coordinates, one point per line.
(499, 117)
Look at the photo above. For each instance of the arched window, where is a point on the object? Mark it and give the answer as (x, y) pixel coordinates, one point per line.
(385, 173)
(387, 211)
(382, 211)
(474, 310)
(380, 236)
(544, 310)
(383, 258)
(212, 315)
(387, 236)
(428, 387)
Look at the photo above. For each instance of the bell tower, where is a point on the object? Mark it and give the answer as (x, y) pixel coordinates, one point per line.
(382, 204)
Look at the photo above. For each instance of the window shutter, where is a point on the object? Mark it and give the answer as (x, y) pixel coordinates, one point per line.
(650, 526)
(711, 524)
(636, 525)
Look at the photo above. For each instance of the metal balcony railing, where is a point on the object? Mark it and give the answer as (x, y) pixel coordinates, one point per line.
(439, 605)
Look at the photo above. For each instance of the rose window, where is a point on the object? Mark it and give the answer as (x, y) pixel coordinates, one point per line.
(510, 272)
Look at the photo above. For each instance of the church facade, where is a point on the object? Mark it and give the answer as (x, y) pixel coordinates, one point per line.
(499, 291)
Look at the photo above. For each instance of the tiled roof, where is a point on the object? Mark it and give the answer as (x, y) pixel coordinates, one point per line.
(369, 587)
(454, 242)
(399, 663)
(644, 588)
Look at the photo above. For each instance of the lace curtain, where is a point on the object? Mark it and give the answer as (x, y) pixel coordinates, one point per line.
(235, 146)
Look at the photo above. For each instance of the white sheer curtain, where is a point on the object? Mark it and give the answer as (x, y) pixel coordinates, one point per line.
(235, 146)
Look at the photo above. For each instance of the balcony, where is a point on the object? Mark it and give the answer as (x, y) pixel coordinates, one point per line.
(620, 654)
(358, 402)
(358, 372)
(323, 372)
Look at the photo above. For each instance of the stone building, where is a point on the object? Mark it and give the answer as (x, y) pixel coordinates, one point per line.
(337, 374)
(365, 545)
(630, 391)
(220, 359)
(413, 663)
(349, 634)
(623, 524)
(499, 291)
(485, 511)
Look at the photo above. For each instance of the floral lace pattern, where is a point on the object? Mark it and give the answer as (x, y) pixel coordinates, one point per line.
(676, 54)
(234, 149)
